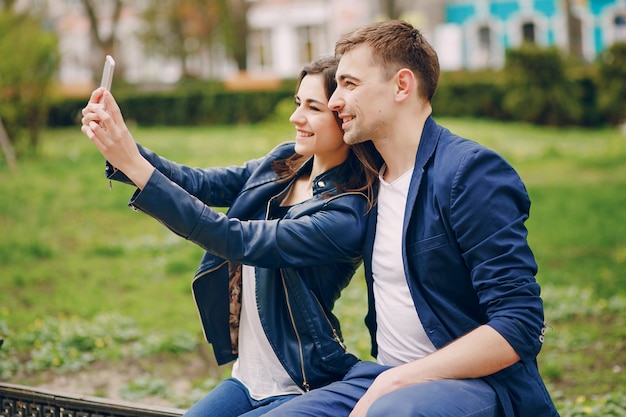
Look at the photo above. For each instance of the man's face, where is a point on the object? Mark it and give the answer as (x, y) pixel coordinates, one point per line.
(363, 98)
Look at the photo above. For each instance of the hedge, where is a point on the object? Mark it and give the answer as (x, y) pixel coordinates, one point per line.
(537, 85)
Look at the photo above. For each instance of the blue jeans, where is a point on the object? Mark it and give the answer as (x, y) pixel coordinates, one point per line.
(232, 399)
(445, 398)
(471, 397)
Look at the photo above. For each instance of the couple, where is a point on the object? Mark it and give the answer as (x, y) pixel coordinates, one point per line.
(455, 313)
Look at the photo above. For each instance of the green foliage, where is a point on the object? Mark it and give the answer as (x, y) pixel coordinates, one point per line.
(145, 386)
(566, 303)
(611, 82)
(29, 61)
(585, 79)
(537, 85)
(182, 106)
(470, 94)
(67, 344)
(611, 405)
(537, 88)
(234, 29)
(180, 29)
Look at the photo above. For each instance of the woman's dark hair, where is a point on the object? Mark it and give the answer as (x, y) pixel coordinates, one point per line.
(363, 160)
(326, 65)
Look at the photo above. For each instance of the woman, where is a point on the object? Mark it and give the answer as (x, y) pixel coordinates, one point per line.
(277, 261)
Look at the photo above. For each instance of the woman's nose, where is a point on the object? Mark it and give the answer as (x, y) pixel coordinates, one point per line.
(296, 117)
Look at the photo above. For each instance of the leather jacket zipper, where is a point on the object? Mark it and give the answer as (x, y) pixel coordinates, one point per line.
(335, 335)
(305, 384)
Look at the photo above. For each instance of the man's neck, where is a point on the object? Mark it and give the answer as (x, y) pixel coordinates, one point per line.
(399, 148)
(398, 159)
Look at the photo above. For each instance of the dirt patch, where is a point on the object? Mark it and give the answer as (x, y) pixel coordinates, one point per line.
(109, 380)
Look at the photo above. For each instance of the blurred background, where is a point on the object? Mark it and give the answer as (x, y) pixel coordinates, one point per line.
(544, 61)
(164, 41)
(96, 300)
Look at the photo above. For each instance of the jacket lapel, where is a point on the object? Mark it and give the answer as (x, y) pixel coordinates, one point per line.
(425, 150)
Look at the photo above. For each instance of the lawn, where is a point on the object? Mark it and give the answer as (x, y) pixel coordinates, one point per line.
(87, 284)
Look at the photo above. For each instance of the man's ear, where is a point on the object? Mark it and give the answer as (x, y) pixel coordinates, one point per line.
(405, 83)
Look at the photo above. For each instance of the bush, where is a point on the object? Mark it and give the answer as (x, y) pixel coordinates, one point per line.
(29, 61)
(611, 83)
(184, 106)
(470, 94)
(586, 84)
(537, 88)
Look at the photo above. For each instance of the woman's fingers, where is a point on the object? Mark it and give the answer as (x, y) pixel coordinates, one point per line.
(88, 117)
(87, 131)
(104, 125)
(95, 101)
(96, 95)
(111, 106)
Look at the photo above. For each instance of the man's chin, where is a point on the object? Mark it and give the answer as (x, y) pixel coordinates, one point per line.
(351, 139)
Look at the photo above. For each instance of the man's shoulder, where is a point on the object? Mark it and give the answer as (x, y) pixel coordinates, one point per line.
(452, 142)
(454, 148)
(456, 156)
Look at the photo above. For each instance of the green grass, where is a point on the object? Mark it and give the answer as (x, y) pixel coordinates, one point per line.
(72, 251)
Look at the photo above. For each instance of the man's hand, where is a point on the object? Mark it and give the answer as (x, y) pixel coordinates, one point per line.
(386, 382)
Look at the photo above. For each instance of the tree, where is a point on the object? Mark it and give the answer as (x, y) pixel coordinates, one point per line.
(235, 29)
(390, 9)
(26, 77)
(181, 29)
(101, 13)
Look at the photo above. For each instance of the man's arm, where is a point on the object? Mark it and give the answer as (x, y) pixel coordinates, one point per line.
(479, 353)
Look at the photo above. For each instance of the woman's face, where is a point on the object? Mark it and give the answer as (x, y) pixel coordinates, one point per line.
(317, 130)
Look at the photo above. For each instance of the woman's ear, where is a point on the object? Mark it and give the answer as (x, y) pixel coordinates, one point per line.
(405, 83)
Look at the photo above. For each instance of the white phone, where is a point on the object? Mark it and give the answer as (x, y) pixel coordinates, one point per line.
(107, 72)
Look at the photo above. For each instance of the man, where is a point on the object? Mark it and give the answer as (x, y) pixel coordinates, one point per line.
(455, 313)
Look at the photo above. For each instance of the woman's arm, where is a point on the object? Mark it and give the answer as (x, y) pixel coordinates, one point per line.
(131, 163)
(322, 235)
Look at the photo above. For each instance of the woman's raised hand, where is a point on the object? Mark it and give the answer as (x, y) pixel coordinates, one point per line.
(104, 125)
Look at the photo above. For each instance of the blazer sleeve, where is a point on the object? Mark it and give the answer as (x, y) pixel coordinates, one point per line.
(488, 209)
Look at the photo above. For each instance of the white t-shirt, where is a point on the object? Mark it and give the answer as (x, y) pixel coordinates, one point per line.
(400, 335)
(257, 367)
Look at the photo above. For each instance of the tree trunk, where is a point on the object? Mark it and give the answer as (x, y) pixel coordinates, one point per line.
(7, 149)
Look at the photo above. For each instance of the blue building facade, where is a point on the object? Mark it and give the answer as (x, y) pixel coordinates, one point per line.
(488, 27)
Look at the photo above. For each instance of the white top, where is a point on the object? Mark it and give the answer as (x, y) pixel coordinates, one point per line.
(400, 335)
(257, 367)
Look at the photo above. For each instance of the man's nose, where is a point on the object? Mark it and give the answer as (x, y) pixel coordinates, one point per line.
(335, 102)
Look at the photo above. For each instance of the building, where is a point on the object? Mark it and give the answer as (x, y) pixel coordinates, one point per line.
(285, 34)
(484, 29)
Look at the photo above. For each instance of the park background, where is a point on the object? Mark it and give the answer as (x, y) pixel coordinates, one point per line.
(96, 299)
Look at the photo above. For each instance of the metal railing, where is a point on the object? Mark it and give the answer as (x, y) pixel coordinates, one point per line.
(21, 401)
